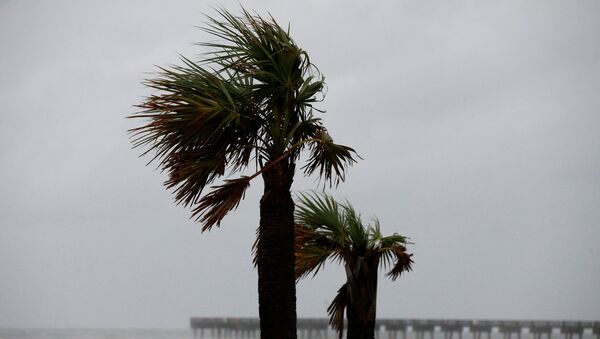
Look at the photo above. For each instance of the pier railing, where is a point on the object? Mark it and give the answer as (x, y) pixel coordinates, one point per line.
(417, 328)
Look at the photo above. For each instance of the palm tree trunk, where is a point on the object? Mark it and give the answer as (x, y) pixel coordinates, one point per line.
(361, 311)
(275, 255)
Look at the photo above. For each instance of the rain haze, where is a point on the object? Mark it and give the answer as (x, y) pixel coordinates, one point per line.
(478, 123)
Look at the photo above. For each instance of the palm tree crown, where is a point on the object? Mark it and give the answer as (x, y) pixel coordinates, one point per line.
(328, 229)
(249, 101)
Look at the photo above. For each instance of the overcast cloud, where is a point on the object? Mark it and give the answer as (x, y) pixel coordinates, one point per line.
(478, 123)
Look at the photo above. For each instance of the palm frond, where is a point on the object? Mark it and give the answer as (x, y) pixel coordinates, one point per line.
(198, 126)
(320, 211)
(329, 159)
(394, 239)
(310, 89)
(303, 235)
(260, 49)
(403, 262)
(357, 231)
(312, 251)
(310, 260)
(337, 308)
(213, 207)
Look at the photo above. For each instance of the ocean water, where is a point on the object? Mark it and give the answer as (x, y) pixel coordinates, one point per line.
(13, 333)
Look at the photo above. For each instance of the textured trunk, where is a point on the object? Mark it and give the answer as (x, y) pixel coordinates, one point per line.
(275, 255)
(362, 282)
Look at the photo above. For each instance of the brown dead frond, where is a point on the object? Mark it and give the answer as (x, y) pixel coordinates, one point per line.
(336, 310)
(213, 207)
(403, 262)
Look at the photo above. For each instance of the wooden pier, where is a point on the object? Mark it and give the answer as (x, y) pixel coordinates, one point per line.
(318, 328)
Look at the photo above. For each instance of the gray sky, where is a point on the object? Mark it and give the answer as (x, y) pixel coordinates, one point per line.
(478, 123)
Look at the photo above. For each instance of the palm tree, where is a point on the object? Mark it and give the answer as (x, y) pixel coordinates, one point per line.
(247, 105)
(327, 229)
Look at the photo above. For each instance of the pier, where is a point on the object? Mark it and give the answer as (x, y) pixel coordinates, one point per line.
(318, 328)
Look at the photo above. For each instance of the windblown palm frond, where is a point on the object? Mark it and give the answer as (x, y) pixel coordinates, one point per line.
(221, 200)
(336, 310)
(250, 100)
(320, 212)
(393, 252)
(313, 249)
(357, 232)
(403, 262)
(311, 260)
(329, 159)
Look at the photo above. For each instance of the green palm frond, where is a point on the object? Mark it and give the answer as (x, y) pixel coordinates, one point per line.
(357, 232)
(252, 44)
(374, 231)
(282, 74)
(321, 212)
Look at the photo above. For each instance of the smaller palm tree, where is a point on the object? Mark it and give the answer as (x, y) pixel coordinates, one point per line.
(327, 229)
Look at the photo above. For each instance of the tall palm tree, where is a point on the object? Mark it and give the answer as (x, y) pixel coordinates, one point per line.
(328, 229)
(247, 105)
